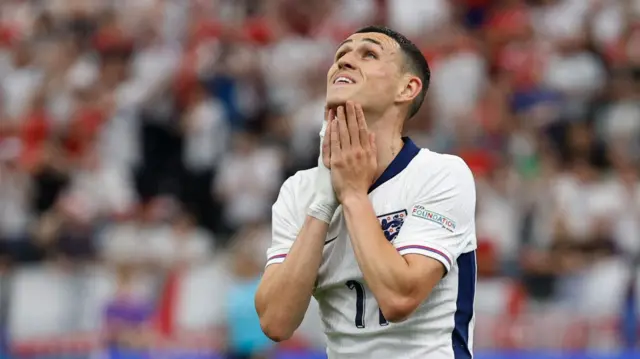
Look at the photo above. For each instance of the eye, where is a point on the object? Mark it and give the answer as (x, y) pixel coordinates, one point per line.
(370, 54)
(340, 54)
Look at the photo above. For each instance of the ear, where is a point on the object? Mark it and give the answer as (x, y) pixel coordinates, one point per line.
(410, 87)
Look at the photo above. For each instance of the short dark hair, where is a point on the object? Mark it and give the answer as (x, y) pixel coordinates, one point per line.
(414, 61)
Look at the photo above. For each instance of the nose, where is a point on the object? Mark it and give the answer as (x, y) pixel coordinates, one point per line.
(346, 62)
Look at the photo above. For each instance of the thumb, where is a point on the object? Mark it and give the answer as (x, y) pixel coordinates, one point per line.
(328, 116)
(372, 142)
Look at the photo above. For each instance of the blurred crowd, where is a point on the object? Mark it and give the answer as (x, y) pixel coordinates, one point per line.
(156, 132)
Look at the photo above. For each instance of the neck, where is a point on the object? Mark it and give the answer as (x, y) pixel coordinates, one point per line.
(388, 140)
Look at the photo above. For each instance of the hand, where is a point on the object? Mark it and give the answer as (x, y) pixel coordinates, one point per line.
(353, 153)
(324, 202)
(325, 138)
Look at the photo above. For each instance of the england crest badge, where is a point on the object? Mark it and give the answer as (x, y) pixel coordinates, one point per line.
(391, 223)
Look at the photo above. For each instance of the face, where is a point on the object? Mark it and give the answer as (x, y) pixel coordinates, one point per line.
(367, 69)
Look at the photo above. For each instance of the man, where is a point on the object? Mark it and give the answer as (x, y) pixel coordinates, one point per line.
(382, 233)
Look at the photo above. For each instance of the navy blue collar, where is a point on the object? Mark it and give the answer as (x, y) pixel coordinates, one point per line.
(402, 160)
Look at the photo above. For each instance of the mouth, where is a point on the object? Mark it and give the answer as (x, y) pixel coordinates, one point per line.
(343, 80)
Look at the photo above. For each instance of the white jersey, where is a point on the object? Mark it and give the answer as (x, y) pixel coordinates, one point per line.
(425, 202)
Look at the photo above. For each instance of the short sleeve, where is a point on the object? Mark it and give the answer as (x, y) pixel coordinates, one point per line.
(284, 227)
(441, 220)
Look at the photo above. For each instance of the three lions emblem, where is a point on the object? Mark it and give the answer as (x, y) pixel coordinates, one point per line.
(391, 223)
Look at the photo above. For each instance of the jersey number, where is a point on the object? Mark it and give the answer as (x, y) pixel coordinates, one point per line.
(361, 299)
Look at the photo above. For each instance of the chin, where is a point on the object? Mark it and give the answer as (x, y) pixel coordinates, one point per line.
(338, 98)
(334, 101)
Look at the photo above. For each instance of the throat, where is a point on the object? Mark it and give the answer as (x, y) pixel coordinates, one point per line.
(391, 165)
(389, 151)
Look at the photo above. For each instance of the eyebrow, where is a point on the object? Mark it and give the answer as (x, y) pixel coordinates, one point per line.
(367, 39)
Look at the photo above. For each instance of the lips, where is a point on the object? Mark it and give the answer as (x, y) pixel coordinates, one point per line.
(343, 80)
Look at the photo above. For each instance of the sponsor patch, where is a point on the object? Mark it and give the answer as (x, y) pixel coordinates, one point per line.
(391, 223)
(421, 212)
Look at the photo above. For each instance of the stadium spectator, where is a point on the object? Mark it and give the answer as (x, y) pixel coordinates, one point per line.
(148, 133)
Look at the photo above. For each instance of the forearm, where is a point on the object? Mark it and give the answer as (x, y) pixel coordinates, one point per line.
(385, 271)
(286, 289)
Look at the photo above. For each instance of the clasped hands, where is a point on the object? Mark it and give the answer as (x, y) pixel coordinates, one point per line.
(347, 163)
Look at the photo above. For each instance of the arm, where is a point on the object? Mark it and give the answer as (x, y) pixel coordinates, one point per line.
(402, 274)
(286, 287)
(399, 283)
(285, 291)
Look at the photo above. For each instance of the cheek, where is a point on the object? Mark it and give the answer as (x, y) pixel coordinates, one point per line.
(383, 82)
(331, 72)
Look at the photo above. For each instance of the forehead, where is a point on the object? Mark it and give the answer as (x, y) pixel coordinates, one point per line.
(385, 42)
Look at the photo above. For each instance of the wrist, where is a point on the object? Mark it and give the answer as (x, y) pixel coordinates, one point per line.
(351, 199)
(322, 210)
(325, 200)
(318, 224)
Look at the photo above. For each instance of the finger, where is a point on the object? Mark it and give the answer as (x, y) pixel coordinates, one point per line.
(362, 123)
(328, 116)
(326, 146)
(335, 139)
(372, 142)
(345, 141)
(352, 124)
(363, 132)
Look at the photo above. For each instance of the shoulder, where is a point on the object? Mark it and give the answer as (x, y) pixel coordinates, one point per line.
(300, 180)
(297, 185)
(442, 170)
(443, 183)
(295, 195)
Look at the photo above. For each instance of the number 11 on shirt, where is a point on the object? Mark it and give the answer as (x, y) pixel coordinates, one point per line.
(361, 299)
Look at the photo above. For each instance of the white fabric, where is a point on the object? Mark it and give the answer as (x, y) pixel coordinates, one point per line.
(206, 136)
(451, 100)
(324, 202)
(18, 89)
(105, 190)
(248, 183)
(414, 17)
(432, 183)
